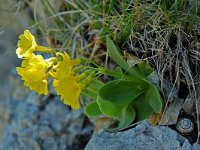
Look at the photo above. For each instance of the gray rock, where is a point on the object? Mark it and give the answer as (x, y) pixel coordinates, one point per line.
(25, 132)
(36, 99)
(171, 113)
(4, 94)
(196, 146)
(46, 124)
(198, 100)
(155, 79)
(45, 132)
(142, 137)
(170, 92)
(188, 105)
(36, 122)
(19, 93)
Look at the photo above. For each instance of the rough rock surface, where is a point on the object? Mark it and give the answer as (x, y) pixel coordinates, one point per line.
(188, 105)
(142, 137)
(35, 122)
(172, 112)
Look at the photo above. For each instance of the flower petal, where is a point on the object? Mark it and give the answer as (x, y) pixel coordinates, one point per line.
(69, 90)
(26, 44)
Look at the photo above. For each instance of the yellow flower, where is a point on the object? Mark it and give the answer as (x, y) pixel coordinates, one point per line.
(65, 66)
(69, 90)
(33, 72)
(65, 83)
(26, 44)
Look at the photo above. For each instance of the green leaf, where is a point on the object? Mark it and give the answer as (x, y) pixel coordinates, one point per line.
(141, 105)
(92, 110)
(145, 69)
(142, 70)
(148, 103)
(90, 93)
(116, 56)
(108, 108)
(121, 92)
(92, 89)
(95, 84)
(155, 100)
(118, 69)
(127, 116)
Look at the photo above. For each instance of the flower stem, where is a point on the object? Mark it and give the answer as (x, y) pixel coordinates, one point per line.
(44, 49)
(85, 60)
(118, 75)
(141, 81)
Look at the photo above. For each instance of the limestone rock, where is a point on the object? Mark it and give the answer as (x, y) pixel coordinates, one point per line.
(170, 92)
(188, 105)
(141, 137)
(45, 123)
(171, 113)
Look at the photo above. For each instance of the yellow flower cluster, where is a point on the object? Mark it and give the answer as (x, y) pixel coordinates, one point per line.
(66, 84)
(35, 70)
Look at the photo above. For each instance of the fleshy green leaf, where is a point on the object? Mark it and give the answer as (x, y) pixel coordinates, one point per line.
(138, 71)
(108, 108)
(127, 116)
(92, 89)
(118, 69)
(120, 92)
(90, 93)
(155, 100)
(92, 110)
(95, 84)
(145, 69)
(148, 103)
(114, 53)
(141, 105)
